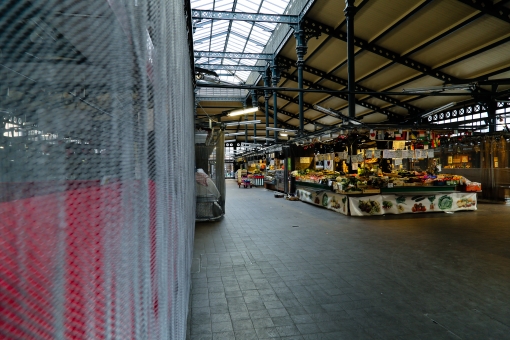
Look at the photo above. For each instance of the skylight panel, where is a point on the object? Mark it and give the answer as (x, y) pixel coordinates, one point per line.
(222, 5)
(230, 61)
(243, 74)
(201, 4)
(275, 7)
(250, 62)
(260, 36)
(234, 36)
(235, 46)
(253, 48)
(248, 7)
(242, 26)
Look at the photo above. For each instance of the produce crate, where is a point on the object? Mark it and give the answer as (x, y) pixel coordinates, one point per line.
(474, 186)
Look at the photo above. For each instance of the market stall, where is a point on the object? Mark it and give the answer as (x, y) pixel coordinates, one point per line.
(396, 200)
(376, 182)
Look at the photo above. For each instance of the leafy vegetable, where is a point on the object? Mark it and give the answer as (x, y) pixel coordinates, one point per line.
(401, 199)
(387, 204)
(445, 202)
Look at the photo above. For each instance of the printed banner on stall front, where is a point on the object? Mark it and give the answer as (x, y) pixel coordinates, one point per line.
(418, 203)
(366, 206)
(336, 202)
(325, 199)
(305, 195)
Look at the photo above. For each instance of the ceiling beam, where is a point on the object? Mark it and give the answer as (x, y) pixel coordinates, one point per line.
(381, 51)
(406, 17)
(233, 55)
(258, 17)
(232, 67)
(343, 82)
(426, 44)
(343, 96)
(295, 115)
(488, 7)
(280, 122)
(220, 99)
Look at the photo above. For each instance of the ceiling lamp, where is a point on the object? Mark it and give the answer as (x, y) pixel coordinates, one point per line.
(245, 122)
(442, 88)
(234, 133)
(242, 112)
(230, 141)
(264, 138)
(337, 115)
(281, 129)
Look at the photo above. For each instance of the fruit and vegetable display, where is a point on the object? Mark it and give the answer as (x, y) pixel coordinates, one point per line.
(314, 176)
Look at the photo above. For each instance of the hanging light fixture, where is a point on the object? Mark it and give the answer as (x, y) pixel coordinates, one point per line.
(244, 122)
(242, 112)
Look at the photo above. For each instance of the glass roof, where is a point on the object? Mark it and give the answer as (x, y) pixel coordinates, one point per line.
(234, 36)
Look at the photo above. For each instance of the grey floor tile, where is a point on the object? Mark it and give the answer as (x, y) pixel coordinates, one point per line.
(246, 335)
(287, 330)
(337, 277)
(308, 328)
(269, 332)
(263, 323)
(224, 336)
(241, 325)
(202, 328)
(222, 317)
(257, 314)
(201, 337)
(274, 312)
(222, 326)
(240, 315)
(303, 318)
(283, 321)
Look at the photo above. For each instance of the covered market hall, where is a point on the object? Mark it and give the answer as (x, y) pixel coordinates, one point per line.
(254, 169)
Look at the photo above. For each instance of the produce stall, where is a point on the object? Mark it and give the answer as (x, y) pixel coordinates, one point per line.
(394, 193)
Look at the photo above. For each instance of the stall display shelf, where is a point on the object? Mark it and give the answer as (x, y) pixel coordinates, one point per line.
(313, 185)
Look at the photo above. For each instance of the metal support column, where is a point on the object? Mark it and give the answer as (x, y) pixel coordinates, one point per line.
(245, 125)
(267, 95)
(254, 103)
(349, 11)
(301, 50)
(492, 106)
(275, 78)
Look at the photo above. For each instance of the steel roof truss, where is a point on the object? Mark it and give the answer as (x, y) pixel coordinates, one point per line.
(257, 17)
(383, 52)
(488, 7)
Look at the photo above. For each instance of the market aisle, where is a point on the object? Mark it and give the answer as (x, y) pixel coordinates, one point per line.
(274, 268)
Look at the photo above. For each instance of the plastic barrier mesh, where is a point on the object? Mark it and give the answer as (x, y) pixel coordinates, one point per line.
(97, 202)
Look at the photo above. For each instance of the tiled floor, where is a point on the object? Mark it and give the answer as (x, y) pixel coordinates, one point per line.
(274, 268)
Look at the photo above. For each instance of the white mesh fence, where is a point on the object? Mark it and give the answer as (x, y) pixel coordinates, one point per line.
(97, 203)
